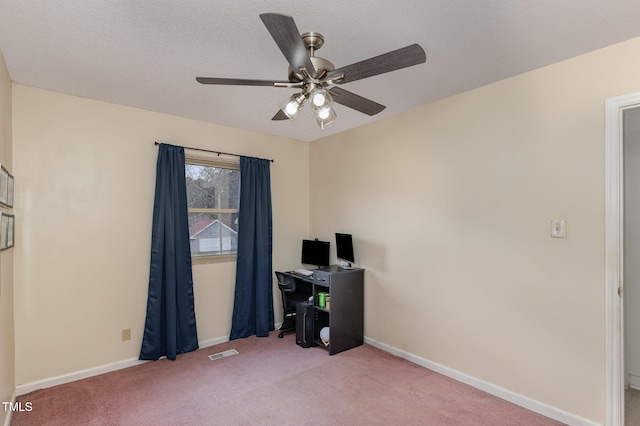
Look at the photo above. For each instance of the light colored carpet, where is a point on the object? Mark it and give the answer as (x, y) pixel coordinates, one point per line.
(272, 382)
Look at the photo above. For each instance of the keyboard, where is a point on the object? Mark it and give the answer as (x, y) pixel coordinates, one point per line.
(305, 272)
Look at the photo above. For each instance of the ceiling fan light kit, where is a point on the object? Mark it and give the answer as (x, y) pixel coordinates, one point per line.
(321, 102)
(320, 99)
(325, 116)
(317, 77)
(293, 105)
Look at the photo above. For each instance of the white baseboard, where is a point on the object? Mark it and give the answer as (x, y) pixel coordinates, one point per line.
(78, 375)
(633, 381)
(212, 342)
(521, 400)
(90, 372)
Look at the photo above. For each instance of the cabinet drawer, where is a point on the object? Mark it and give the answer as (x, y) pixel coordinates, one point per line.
(322, 278)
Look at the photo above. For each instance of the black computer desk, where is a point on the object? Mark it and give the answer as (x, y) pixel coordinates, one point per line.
(304, 286)
(345, 315)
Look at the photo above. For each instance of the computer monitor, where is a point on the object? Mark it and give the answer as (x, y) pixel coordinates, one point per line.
(315, 252)
(344, 250)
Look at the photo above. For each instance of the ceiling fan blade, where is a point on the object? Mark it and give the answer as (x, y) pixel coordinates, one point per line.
(351, 100)
(237, 81)
(280, 115)
(286, 35)
(390, 61)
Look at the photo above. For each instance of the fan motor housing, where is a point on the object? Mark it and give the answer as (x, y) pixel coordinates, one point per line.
(312, 41)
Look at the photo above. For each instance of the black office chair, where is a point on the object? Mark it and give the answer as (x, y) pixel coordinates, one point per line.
(287, 286)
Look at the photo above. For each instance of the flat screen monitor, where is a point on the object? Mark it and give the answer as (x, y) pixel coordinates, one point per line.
(315, 252)
(344, 250)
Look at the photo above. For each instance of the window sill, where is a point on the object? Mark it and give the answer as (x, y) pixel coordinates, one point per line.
(221, 258)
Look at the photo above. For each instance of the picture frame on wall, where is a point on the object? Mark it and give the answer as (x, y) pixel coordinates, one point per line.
(10, 231)
(6, 187)
(7, 231)
(10, 190)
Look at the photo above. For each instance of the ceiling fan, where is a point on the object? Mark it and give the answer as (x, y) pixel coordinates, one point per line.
(317, 77)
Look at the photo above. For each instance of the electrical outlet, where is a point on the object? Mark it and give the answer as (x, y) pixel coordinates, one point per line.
(558, 228)
(126, 334)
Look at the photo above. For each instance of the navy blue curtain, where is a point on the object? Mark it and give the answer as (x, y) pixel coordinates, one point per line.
(253, 303)
(170, 327)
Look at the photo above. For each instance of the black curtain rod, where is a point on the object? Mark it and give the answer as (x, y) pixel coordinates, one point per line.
(213, 152)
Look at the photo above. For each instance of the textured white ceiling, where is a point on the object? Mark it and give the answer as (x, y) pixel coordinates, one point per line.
(147, 53)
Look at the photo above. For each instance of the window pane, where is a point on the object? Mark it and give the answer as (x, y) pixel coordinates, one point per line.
(213, 233)
(212, 187)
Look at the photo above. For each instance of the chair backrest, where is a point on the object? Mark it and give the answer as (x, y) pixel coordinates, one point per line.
(286, 283)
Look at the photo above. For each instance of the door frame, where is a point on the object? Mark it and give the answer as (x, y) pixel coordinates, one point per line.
(614, 254)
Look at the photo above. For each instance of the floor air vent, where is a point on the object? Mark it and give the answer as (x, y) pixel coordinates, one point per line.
(222, 354)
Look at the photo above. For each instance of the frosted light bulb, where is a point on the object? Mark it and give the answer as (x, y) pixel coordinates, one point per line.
(324, 113)
(319, 99)
(293, 105)
(291, 108)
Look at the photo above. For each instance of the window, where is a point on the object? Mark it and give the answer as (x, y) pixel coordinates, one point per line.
(213, 192)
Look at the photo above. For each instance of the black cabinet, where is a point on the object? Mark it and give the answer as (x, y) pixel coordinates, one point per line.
(343, 310)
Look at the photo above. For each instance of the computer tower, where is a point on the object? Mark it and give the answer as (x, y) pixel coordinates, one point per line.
(304, 324)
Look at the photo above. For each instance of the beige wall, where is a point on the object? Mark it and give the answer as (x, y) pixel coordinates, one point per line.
(85, 176)
(450, 208)
(7, 361)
